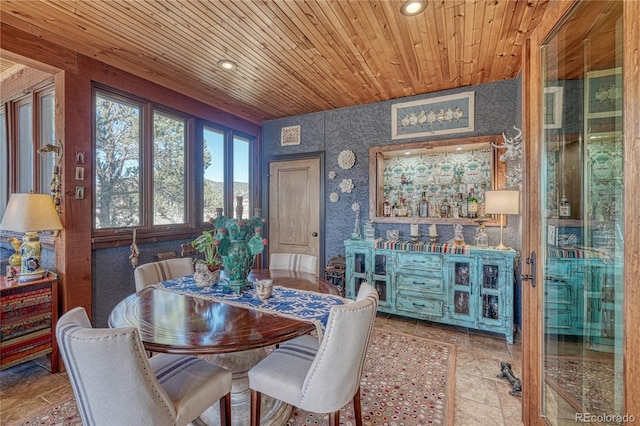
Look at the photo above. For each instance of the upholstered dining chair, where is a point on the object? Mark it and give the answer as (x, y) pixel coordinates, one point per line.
(115, 384)
(294, 262)
(321, 377)
(155, 272)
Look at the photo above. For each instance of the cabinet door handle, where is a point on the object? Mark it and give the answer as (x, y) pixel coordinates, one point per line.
(419, 304)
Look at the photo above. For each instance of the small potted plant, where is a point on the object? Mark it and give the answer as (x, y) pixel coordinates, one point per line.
(207, 269)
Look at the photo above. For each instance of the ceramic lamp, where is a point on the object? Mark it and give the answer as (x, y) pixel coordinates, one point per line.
(30, 213)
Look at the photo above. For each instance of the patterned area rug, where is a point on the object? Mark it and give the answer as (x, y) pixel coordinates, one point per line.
(407, 381)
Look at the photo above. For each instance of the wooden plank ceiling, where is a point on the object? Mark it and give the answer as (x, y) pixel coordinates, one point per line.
(293, 57)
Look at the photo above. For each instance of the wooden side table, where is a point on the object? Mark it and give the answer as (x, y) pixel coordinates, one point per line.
(28, 316)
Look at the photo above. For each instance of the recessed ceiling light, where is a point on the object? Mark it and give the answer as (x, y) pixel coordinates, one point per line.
(227, 65)
(407, 153)
(459, 148)
(413, 7)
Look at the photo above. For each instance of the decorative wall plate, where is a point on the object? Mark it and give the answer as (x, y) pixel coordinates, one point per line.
(332, 175)
(334, 197)
(346, 159)
(346, 185)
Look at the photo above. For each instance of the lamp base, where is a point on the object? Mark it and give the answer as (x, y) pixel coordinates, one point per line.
(501, 247)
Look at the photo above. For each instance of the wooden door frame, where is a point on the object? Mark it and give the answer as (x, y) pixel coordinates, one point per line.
(532, 297)
(319, 155)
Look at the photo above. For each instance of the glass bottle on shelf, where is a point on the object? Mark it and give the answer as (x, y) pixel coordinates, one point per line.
(433, 208)
(564, 210)
(462, 203)
(454, 209)
(472, 205)
(414, 206)
(444, 208)
(424, 205)
(481, 206)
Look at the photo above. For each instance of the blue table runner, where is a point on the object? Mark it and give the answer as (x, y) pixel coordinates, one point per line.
(302, 305)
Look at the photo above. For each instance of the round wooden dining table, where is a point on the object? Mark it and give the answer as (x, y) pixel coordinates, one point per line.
(235, 337)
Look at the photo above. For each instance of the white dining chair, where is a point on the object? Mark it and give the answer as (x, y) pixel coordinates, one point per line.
(294, 262)
(321, 377)
(115, 384)
(155, 272)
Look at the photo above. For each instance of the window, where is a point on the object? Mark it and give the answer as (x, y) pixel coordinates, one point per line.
(24, 136)
(169, 185)
(118, 143)
(213, 161)
(241, 171)
(27, 123)
(145, 177)
(47, 136)
(227, 171)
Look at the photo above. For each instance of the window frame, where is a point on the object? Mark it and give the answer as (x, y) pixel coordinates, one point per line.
(229, 136)
(194, 174)
(10, 108)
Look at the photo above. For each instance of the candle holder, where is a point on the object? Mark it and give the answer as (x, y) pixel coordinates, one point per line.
(433, 238)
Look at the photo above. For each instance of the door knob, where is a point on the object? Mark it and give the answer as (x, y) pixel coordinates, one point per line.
(314, 234)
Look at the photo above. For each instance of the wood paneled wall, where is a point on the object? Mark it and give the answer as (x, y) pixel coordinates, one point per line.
(73, 76)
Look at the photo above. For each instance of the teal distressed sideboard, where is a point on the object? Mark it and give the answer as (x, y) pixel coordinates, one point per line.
(582, 295)
(465, 286)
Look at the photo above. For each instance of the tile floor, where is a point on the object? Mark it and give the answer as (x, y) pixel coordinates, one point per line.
(480, 397)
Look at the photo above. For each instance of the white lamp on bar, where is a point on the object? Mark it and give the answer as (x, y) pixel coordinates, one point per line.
(502, 202)
(30, 213)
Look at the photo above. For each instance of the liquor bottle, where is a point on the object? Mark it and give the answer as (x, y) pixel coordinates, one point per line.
(481, 205)
(462, 203)
(454, 209)
(472, 205)
(564, 212)
(424, 205)
(444, 208)
(386, 209)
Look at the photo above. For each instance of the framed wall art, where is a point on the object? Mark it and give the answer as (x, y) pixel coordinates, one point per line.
(290, 136)
(552, 107)
(604, 93)
(433, 116)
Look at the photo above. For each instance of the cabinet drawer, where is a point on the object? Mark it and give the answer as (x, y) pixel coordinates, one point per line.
(559, 293)
(559, 318)
(419, 306)
(558, 269)
(430, 283)
(423, 261)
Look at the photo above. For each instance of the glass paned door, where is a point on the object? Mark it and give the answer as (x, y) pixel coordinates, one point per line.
(582, 209)
(380, 275)
(462, 277)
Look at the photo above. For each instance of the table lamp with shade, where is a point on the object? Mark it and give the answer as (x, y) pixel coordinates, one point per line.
(502, 202)
(30, 213)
